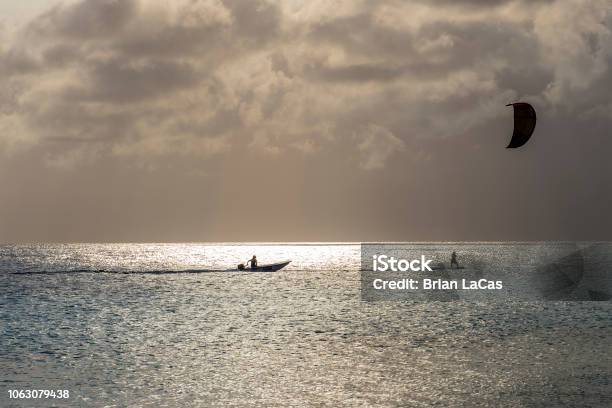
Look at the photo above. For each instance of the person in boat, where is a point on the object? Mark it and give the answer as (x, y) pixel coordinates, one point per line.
(454, 263)
(253, 262)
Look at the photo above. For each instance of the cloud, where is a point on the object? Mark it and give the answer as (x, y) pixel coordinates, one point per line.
(485, 3)
(121, 81)
(580, 54)
(13, 135)
(84, 20)
(357, 73)
(206, 78)
(376, 145)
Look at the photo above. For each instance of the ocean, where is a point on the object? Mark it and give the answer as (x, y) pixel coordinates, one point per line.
(171, 325)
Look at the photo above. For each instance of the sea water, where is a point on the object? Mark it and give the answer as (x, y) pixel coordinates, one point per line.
(168, 325)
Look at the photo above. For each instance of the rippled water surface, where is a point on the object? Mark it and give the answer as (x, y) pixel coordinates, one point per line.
(203, 336)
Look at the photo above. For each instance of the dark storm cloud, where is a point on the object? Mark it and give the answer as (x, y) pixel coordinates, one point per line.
(60, 55)
(118, 80)
(255, 21)
(85, 19)
(220, 29)
(66, 122)
(172, 41)
(357, 72)
(14, 62)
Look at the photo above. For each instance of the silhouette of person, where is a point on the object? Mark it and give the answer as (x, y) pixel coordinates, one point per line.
(253, 262)
(454, 262)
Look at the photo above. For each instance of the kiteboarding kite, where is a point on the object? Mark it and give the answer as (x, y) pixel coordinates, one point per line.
(524, 124)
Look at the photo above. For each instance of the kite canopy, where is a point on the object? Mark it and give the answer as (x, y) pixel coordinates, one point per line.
(524, 124)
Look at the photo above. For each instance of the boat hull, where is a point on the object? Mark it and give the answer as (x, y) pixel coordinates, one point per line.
(268, 267)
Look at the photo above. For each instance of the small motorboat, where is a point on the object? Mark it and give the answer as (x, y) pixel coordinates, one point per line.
(273, 267)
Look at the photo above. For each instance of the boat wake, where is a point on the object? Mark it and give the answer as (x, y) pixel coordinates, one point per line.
(149, 272)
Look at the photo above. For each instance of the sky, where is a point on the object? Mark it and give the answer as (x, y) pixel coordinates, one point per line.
(316, 120)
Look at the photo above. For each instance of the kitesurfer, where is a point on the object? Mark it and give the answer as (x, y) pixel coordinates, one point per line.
(454, 262)
(253, 262)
